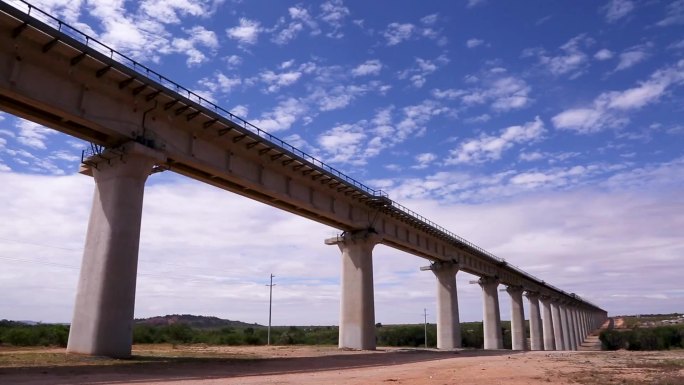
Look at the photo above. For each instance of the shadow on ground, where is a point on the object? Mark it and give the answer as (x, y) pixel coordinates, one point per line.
(174, 368)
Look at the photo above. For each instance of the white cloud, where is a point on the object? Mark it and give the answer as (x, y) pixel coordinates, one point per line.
(570, 61)
(275, 81)
(418, 74)
(233, 61)
(488, 148)
(33, 134)
(283, 116)
(429, 19)
(603, 54)
(531, 156)
(240, 110)
(472, 43)
(675, 14)
(343, 144)
(288, 33)
(617, 9)
(474, 3)
(198, 36)
(608, 108)
(246, 33)
(169, 11)
(424, 160)
(334, 13)
(632, 57)
(220, 82)
(397, 33)
(505, 94)
(302, 15)
(369, 138)
(370, 67)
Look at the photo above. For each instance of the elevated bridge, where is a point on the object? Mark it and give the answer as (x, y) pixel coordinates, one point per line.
(140, 121)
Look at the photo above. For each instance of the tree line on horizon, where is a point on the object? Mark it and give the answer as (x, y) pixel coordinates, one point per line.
(20, 334)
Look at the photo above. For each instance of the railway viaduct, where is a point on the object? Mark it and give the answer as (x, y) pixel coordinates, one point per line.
(140, 122)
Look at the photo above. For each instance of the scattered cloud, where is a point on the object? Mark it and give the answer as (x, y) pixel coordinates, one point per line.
(603, 54)
(615, 10)
(220, 82)
(472, 43)
(334, 13)
(366, 139)
(502, 93)
(397, 33)
(571, 60)
(197, 36)
(283, 116)
(474, 3)
(417, 75)
(633, 56)
(675, 14)
(490, 147)
(33, 135)
(609, 108)
(246, 33)
(275, 81)
(370, 67)
(424, 160)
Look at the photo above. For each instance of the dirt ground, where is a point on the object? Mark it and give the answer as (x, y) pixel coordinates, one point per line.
(304, 365)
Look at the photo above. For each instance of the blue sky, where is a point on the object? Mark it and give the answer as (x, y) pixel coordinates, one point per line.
(548, 132)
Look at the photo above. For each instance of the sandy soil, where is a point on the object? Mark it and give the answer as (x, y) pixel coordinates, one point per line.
(304, 365)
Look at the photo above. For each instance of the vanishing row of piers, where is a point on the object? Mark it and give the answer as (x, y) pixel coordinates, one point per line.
(103, 314)
(563, 324)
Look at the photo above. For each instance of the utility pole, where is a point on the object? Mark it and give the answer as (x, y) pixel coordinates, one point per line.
(270, 302)
(425, 314)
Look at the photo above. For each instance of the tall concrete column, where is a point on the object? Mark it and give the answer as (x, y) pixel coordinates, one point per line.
(357, 308)
(578, 328)
(536, 332)
(493, 338)
(557, 325)
(448, 324)
(567, 343)
(102, 322)
(573, 326)
(518, 337)
(549, 340)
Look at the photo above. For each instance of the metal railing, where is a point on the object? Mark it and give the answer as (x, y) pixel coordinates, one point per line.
(201, 101)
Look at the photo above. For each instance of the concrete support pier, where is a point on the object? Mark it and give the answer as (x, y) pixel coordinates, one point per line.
(578, 328)
(549, 339)
(493, 338)
(448, 324)
(567, 344)
(518, 336)
(357, 309)
(536, 332)
(557, 325)
(573, 327)
(102, 322)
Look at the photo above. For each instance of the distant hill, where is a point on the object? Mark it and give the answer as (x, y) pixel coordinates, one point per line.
(194, 321)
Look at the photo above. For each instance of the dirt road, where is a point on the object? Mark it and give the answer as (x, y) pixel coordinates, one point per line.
(328, 365)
